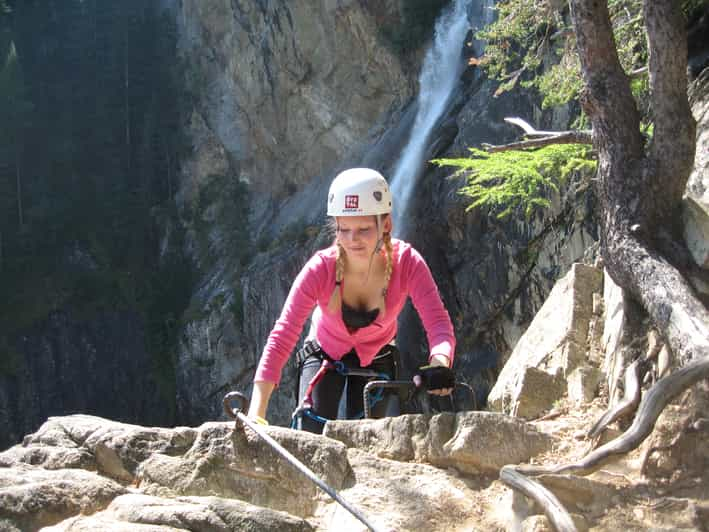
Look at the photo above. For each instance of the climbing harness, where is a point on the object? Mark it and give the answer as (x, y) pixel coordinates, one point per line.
(238, 415)
(305, 408)
(373, 391)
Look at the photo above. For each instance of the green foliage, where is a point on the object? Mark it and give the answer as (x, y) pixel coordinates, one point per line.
(518, 39)
(627, 20)
(533, 42)
(518, 180)
(648, 129)
(558, 84)
(415, 26)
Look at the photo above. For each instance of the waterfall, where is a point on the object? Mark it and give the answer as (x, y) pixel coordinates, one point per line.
(440, 73)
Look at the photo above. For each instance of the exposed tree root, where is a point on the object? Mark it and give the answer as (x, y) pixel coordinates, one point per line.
(631, 398)
(656, 399)
(553, 509)
(650, 408)
(634, 375)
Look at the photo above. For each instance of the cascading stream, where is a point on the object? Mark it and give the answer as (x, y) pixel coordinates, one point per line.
(440, 74)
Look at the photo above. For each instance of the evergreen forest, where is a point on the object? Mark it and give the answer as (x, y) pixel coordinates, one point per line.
(88, 144)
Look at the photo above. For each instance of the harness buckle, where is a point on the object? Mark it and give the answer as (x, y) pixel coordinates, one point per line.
(309, 348)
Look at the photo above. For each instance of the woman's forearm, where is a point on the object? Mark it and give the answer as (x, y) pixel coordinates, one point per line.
(259, 399)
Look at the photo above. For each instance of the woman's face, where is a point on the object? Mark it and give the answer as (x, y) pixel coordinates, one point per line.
(358, 234)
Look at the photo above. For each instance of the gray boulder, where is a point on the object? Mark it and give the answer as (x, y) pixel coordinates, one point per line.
(556, 342)
(143, 513)
(470, 442)
(32, 497)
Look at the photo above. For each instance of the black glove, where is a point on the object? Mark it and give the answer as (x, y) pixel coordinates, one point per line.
(435, 377)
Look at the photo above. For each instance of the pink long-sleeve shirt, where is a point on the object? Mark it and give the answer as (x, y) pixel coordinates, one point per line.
(312, 289)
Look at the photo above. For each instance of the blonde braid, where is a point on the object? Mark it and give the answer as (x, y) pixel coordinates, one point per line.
(340, 263)
(335, 303)
(386, 238)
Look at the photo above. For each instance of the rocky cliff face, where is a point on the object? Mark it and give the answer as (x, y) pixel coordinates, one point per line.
(281, 95)
(284, 97)
(278, 97)
(437, 472)
(283, 91)
(74, 364)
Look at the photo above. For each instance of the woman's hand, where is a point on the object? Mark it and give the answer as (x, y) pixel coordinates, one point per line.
(437, 377)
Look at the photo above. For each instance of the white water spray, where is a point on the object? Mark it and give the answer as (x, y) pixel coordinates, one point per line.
(439, 75)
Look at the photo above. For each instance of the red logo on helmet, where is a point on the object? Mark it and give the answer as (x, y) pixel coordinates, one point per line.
(351, 202)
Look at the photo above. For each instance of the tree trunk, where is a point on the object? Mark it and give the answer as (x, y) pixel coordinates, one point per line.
(640, 191)
(640, 188)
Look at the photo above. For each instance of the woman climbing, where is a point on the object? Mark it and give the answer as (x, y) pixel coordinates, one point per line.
(358, 287)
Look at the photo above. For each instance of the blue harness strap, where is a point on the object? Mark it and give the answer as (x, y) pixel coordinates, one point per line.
(306, 406)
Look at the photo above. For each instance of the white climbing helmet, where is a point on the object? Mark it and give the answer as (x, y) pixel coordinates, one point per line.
(359, 192)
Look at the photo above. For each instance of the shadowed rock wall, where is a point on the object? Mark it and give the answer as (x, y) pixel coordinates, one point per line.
(73, 365)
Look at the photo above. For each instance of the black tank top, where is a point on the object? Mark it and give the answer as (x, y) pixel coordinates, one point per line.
(356, 319)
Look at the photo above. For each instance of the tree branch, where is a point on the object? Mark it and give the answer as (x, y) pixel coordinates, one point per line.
(637, 73)
(568, 137)
(638, 197)
(528, 128)
(607, 98)
(547, 137)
